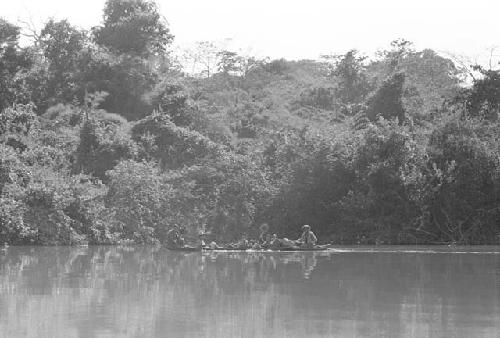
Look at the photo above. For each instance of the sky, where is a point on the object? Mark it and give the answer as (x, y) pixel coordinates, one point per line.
(302, 29)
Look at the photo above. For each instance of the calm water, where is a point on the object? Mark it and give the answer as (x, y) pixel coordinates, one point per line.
(151, 292)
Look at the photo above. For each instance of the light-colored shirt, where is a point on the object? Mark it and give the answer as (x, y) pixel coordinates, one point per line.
(308, 237)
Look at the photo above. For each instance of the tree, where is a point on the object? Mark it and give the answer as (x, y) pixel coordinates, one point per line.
(387, 100)
(236, 64)
(12, 59)
(133, 27)
(349, 71)
(229, 62)
(318, 97)
(401, 48)
(203, 57)
(130, 45)
(461, 191)
(483, 98)
(172, 99)
(9, 35)
(62, 45)
(171, 145)
(103, 144)
(430, 81)
(127, 79)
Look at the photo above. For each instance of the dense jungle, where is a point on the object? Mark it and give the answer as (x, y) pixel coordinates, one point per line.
(111, 136)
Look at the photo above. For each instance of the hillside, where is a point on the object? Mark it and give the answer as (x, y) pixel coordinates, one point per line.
(105, 139)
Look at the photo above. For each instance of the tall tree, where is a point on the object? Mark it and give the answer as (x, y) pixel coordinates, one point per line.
(401, 48)
(484, 96)
(203, 57)
(12, 59)
(133, 27)
(62, 46)
(387, 100)
(349, 71)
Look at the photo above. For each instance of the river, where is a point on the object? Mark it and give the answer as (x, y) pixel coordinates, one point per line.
(152, 292)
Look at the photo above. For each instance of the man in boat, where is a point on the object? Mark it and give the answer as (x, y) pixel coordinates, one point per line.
(278, 243)
(242, 244)
(308, 238)
(202, 236)
(174, 237)
(274, 243)
(264, 228)
(205, 244)
(268, 241)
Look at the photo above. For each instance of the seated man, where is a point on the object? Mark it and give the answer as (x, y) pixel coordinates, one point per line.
(277, 243)
(264, 228)
(308, 238)
(255, 245)
(268, 240)
(242, 244)
(204, 240)
(202, 236)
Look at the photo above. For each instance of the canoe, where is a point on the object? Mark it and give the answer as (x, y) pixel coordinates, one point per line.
(269, 250)
(187, 248)
(303, 249)
(288, 249)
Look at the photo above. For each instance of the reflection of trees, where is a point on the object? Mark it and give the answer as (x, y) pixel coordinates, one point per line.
(145, 291)
(70, 281)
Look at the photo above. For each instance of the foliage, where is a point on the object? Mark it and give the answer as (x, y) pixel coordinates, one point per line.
(230, 62)
(234, 191)
(41, 206)
(387, 100)
(278, 66)
(127, 79)
(104, 140)
(462, 201)
(318, 97)
(173, 146)
(352, 82)
(62, 46)
(133, 27)
(12, 61)
(146, 202)
(102, 146)
(484, 96)
(172, 99)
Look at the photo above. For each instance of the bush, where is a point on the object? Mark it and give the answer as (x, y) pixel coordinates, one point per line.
(102, 146)
(41, 206)
(160, 139)
(461, 203)
(387, 100)
(318, 97)
(64, 115)
(145, 202)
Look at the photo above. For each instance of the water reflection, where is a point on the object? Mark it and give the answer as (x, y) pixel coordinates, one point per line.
(145, 291)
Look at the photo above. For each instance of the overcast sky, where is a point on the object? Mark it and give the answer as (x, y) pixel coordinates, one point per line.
(302, 29)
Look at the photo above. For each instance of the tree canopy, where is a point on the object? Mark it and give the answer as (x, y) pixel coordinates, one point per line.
(133, 27)
(107, 137)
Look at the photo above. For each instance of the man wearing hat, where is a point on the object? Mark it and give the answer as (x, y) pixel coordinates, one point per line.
(308, 238)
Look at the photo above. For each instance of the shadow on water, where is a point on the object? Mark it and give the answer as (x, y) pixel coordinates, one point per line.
(146, 291)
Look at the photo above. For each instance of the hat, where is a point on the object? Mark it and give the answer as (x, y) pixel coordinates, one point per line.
(264, 227)
(305, 226)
